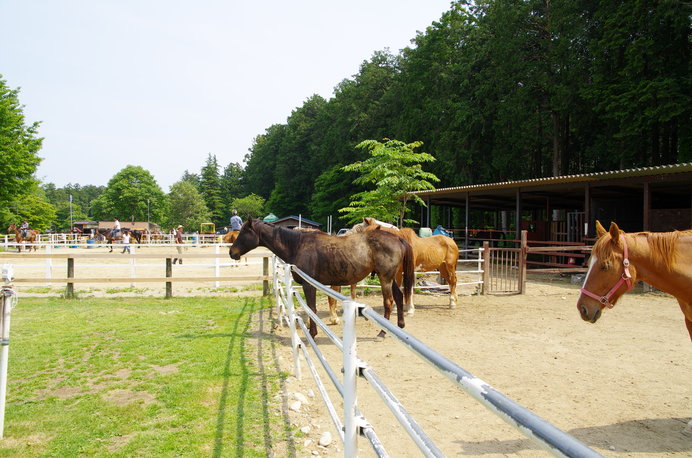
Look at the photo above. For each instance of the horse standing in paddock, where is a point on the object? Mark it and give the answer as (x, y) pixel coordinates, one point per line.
(31, 237)
(436, 252)
(619, 260)
(333, 260)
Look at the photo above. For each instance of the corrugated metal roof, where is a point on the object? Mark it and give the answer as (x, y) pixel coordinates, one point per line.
(583, 177)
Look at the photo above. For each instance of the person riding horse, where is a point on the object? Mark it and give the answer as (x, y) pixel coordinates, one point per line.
(24, 229)
(116, 228)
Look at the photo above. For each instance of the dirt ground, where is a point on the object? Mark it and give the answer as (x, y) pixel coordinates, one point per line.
(621, 386)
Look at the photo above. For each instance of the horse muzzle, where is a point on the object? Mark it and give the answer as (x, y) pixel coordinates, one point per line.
(586, 315)
(235, 256)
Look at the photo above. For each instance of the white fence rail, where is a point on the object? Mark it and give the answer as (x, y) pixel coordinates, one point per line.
(352, 423)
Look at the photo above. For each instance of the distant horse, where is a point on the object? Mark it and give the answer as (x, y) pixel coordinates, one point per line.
(619, 260)
(31, 237)
(436, 252)
(230, 237)
(333, 260)
(109, 238)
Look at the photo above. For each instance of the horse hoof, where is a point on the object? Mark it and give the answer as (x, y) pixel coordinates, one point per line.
(380, 336)
(333, 322)
(410, 312)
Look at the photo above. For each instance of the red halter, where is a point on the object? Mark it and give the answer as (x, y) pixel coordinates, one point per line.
(626, 278)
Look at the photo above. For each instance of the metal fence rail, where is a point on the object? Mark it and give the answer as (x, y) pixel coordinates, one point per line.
(526, 422)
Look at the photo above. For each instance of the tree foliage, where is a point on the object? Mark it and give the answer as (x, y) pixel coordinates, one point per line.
(19, 147)
(131, 195)
(186, 206)
(393, 170)
(497, 90)
(251, 206)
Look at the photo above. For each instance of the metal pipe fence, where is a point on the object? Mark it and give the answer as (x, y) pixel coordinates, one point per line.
(353, 423)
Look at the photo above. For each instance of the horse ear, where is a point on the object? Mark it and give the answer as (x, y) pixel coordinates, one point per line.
(600, 230)
(367, 220)
(614, 231)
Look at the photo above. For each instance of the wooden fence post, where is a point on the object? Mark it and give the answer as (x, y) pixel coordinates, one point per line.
(523, 255)
(265, 272)
(486, 268)
(169, 274)
(69, 290)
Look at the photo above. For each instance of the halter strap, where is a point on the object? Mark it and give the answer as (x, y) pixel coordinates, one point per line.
(625, 278)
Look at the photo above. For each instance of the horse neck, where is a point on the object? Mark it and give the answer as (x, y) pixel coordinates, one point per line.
(273, 238)
(654, 273)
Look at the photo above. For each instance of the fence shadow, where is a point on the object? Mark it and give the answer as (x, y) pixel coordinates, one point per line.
(649, 435)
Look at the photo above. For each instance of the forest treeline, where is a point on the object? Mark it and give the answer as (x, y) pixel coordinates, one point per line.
(496, 90)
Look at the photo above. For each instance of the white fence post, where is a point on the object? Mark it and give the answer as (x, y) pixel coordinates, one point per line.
(9, 299)
(49, 265)
(288, 282)
(350, 379)
(133, 266)
(217, 266)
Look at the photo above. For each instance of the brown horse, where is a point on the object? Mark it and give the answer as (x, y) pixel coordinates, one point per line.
(333, 260)
(109, 238)
(437, 252)
(31, 237)
(619, 260)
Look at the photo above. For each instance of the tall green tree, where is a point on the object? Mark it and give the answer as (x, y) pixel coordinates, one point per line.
(131, 195)
(251, 206)
(394, 170)
(19, 147)
(231, 186)
(186, 207)
(210, 188)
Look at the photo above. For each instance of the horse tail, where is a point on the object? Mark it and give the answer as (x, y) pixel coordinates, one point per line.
(409, 269)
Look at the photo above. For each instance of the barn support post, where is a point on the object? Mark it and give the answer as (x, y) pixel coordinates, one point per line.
(485, 287)
(647, 207)
(69, 289)
(169, 274)
(522, 261)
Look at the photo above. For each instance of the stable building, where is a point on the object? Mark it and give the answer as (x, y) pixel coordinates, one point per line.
(566, 208)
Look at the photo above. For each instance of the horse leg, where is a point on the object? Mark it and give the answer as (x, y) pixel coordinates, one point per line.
(686, 308)
(333, 318)
(409, 306)
(449, 273)
(399, 300)
(354, 291)
(311, 298)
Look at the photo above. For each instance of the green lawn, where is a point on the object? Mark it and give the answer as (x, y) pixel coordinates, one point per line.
(143, 377)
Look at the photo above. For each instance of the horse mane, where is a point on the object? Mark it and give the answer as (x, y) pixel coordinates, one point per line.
(661, 244)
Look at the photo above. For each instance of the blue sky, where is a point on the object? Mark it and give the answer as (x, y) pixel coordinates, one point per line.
(161, 84)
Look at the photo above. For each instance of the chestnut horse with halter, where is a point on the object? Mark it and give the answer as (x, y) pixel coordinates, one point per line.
(333, 260)
(437, 252)
(31, 237)
(619, 260)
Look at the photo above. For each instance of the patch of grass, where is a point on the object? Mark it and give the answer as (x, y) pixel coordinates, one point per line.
(141, 377)
(125, 290)
(40, 290)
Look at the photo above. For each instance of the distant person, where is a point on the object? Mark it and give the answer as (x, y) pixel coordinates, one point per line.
(236, 221)
(116, 228)
(126, 242)
(24, 229)
(178, 240)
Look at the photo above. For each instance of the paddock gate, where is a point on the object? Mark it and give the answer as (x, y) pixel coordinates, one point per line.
(351, 423)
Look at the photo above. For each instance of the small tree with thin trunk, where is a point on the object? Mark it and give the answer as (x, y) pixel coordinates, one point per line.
(394, 170)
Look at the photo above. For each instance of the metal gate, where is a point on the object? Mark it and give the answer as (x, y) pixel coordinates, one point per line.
(504, 273)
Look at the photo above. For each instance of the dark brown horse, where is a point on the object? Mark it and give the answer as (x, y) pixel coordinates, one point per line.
(109, 238)
(333, 260)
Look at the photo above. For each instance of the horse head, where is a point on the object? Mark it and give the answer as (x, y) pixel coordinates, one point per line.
(248, 239)
(610, 274)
